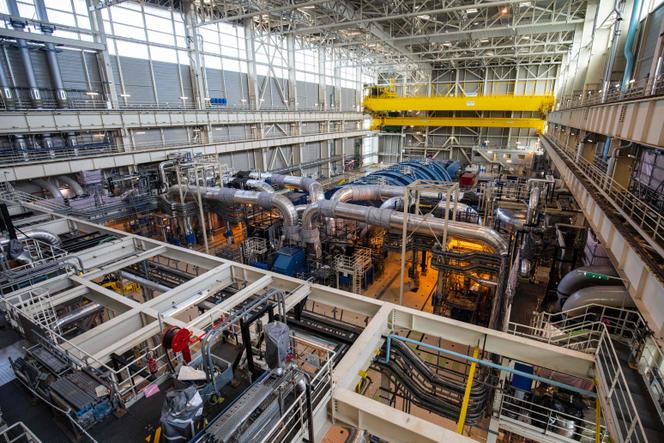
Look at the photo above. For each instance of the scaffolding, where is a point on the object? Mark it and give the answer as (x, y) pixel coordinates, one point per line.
(254, 249)
(353, 267)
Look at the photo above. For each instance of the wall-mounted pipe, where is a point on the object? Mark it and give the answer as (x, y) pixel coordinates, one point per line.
(629, 43)
(24, 51)
(52, 56)
(49, 186)
(266, 200)
(73, 184)
(618, 7)
(611, 296)
(315, 189)
(6, 90)
(393, 220)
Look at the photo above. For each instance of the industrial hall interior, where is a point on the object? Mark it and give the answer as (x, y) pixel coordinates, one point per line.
(331, 221)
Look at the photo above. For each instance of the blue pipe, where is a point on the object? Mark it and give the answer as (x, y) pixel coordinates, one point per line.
(484, 363)
(629, 55)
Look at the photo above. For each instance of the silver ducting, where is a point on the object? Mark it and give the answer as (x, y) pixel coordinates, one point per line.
(265, 200)
(393, 220)
(162, 172)
(577, 279)
(379, 192)
(533, 203)
(49, 186)
(395, 203)
(315, 189)
(73, 184)
(36, 234)
(611, 296)
(144, 282)
(78, 314)
(259, 185)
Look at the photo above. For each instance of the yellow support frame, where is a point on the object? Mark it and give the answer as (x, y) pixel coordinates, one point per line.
(521, 103)
(466, 395)
(471, 122)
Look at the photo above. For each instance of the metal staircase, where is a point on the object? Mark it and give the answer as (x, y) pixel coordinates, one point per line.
(629, 364)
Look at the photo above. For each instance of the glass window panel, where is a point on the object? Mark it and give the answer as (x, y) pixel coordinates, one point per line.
(130, 49)
(160, 37)
(126, 16)
(163, 54)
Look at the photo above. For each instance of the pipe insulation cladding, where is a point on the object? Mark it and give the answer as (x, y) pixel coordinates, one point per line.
(266, 200)
(393, 220)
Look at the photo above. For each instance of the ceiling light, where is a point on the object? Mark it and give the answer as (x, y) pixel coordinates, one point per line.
(308, 7)
(139, 132)
(484, 40)
(471, 10)
(524, 4)
(125, 95)
(525, 37)
(184, 98)
(424, 17)
(504, 11)
(447, 44)
(92, 93)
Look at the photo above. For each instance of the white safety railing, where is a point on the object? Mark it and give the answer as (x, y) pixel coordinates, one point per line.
(590, 329)
(18, 433)
(293, 421)
(553, 424)
(646, 219)
(595, 95)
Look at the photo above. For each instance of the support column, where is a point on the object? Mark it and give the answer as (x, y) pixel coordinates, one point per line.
(292, 82)
(322, 84)
(252, 85)
(196, 69)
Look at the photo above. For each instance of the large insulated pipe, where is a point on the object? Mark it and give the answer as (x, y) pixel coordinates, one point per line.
(49, 186)
(378, 192)
(259, 185)
(533, 203)
(73, 184)
(162, 172)
(608, 69)
(578, 279)
(6, 90)
(315, 189)
(389, 219)
(52, 56)
(144, 282)
(629, 43)
(611, 296)
(79, 313)
(24, 52)
(266, 200)
(36, 234)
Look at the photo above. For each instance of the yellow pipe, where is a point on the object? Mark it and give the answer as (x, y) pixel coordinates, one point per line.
(466, 395)
(471, 122)
(524, 103)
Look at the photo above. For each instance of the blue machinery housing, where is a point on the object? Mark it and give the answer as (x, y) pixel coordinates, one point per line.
(404, 173)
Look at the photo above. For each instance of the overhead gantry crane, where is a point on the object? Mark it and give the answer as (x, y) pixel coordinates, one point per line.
(386, 106)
